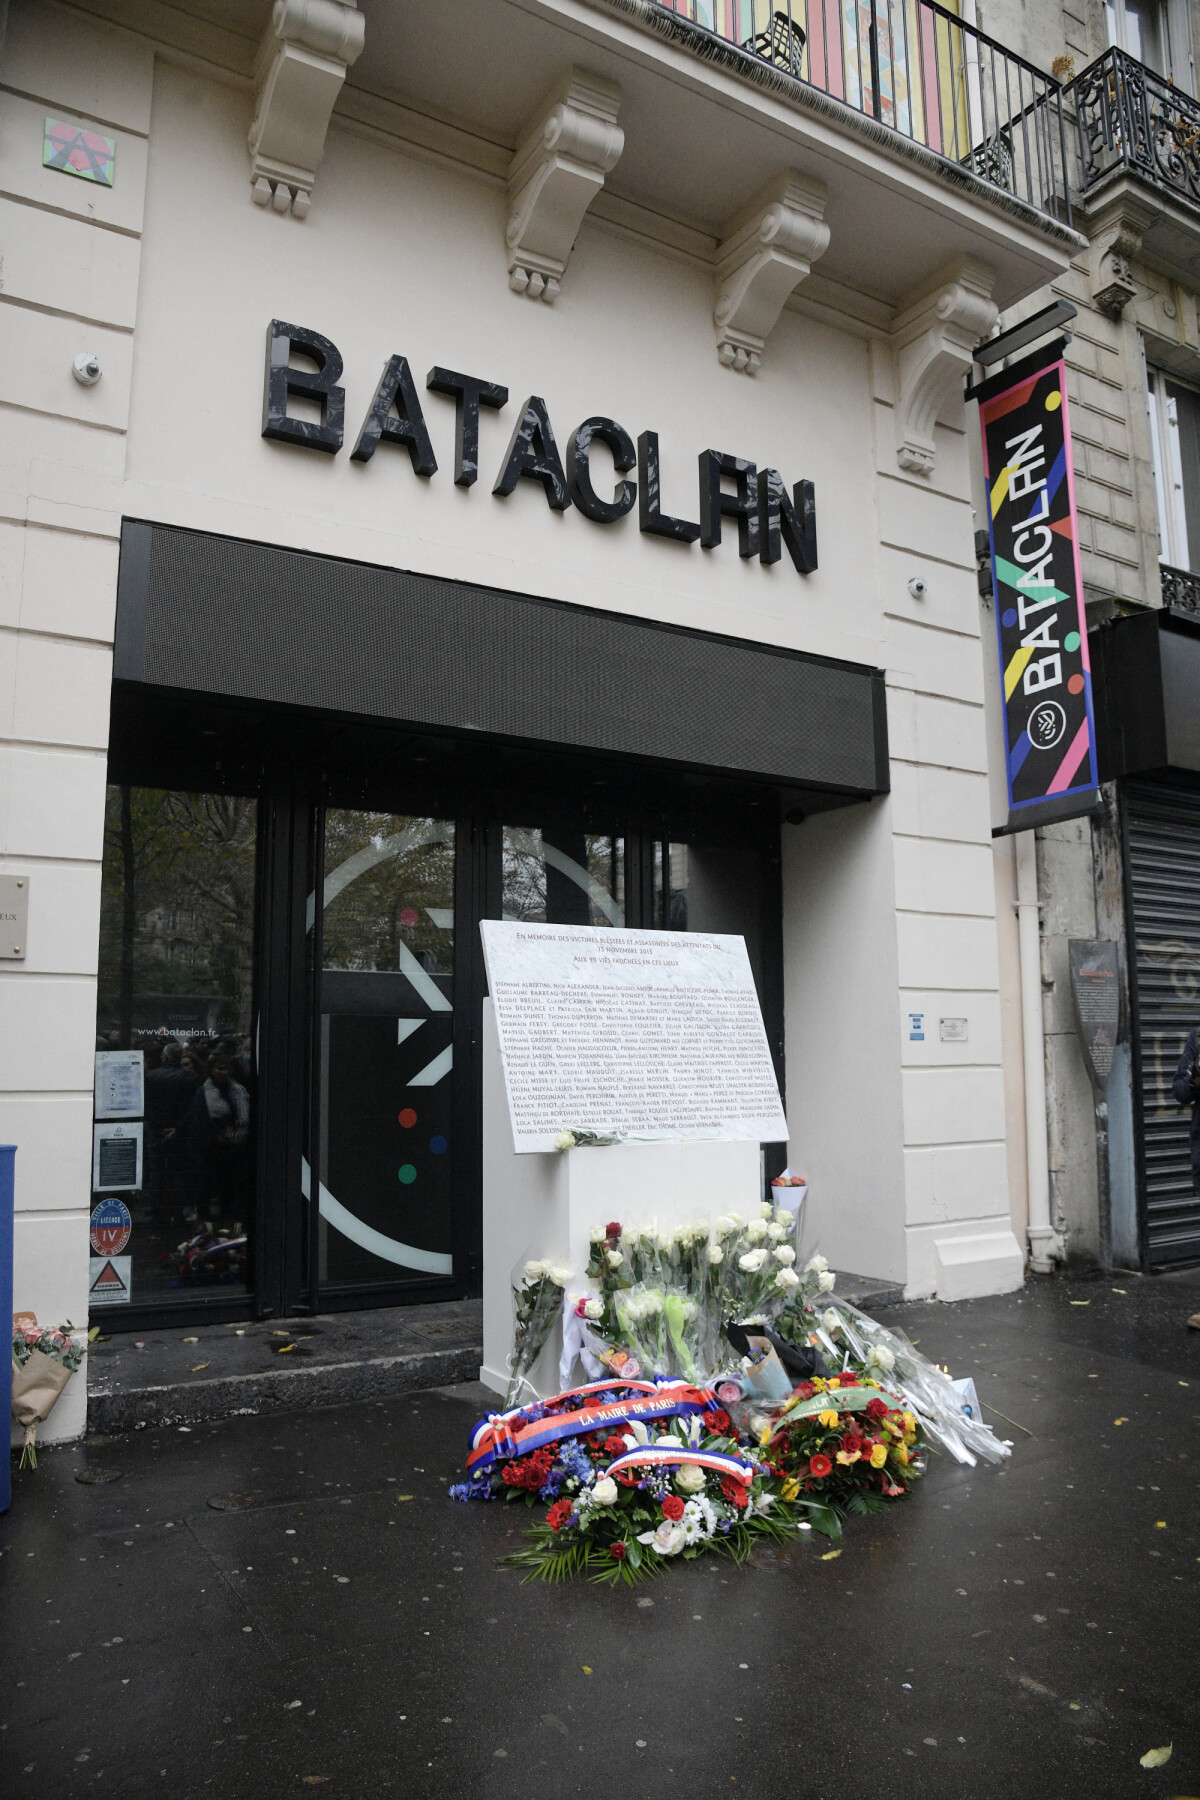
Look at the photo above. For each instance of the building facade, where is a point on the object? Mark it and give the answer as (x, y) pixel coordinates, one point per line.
(1118, 1166)
(496, 460)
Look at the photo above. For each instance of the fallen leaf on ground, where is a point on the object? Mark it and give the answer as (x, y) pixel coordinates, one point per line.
(1081, 1303)
(400, 1497)
(191, 1340)
(830, 1554)
(196, 1367)
(1154, 1759)
(585, 1668)
(1120, 1421)
(1160, 1524)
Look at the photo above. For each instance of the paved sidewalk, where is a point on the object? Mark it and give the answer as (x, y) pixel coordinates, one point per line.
(1025, 1632)
(188, 1374)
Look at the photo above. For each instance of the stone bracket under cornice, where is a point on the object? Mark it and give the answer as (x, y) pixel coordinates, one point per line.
(1115, 232)
(768, 251)
(933, 336)
(570, 144)
(301, 66)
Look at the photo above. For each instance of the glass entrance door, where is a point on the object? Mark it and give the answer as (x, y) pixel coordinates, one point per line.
(382, 1128)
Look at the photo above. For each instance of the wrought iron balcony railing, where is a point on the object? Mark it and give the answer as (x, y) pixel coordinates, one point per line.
(912, 66)
(1130, 118)
(1180, 592)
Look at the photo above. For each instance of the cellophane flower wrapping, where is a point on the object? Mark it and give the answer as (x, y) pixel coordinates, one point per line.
(44, 1359)
(537, 1288)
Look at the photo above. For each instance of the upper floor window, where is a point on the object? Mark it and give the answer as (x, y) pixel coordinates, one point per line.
(1139, 27)
(1175, 446)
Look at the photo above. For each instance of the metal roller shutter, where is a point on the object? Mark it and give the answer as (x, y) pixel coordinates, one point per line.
(1163, 838)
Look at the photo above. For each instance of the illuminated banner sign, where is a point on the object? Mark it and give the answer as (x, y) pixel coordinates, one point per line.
(1050, 735)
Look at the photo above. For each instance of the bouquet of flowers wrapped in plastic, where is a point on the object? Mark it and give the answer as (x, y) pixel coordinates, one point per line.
(44, 1359)
(537, 1300)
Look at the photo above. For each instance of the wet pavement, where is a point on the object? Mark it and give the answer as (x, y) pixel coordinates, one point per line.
(1029, 1631)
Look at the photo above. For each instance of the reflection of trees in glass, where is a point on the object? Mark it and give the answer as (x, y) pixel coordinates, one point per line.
(177, 901)
(525, 882)
(400, 870)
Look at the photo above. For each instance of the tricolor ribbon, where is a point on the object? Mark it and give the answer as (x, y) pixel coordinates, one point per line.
(506, 1436)
(668, 1455)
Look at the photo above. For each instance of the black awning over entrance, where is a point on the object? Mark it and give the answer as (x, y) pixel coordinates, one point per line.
(252, 622)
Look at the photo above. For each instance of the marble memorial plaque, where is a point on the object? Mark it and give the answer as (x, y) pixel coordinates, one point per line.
(638, 1034)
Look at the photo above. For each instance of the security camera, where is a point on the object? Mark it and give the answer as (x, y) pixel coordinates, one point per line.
(918, 587)
(86, 368)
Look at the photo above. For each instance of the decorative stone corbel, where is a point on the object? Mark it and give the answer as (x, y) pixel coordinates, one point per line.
(770, 248)
(1116, 241)
(572, 142)
(301, 66)
(933, 336)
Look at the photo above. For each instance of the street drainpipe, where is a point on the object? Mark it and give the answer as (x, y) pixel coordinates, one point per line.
(1045, 1245)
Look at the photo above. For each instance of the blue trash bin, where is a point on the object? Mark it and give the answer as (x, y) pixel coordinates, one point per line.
(8, 1154)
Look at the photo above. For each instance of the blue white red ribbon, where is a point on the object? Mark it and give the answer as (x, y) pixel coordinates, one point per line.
(669, 1455)
(506, 1436)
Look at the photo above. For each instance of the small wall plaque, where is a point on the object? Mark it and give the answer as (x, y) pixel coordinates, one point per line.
(1096, 985)
(953, 1031)
(14, 917)
(76, 151)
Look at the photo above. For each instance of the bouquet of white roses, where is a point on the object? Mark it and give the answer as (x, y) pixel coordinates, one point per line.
(537, 1300)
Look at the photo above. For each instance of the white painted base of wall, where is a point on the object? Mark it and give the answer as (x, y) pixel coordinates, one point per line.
(968, 1267)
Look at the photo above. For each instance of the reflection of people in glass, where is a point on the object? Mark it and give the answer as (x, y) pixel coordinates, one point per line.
(218, 1136)
(169, 1092)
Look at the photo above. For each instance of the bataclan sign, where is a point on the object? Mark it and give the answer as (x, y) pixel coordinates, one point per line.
(767, 519)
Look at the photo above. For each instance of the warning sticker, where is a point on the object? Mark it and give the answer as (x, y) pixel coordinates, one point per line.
(109, 1280)
(111, 1226)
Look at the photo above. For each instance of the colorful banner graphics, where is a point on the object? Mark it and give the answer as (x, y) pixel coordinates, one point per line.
(1050, 737)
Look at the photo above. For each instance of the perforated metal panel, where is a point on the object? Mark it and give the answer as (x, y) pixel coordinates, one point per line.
(216, 615)
(1163, 832)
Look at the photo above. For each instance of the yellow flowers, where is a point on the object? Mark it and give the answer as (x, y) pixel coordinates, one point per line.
(900, 1452)
(828, 1419)
(910, 1425)
(790, 1488)
(846, 1457)
(878, 1455)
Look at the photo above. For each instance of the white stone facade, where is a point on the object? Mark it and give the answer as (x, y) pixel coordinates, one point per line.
(405, 241)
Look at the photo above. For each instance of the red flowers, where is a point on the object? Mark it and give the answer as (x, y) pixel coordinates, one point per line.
(876, 1409)
(672, 1507)
(618, 1551)
(612, 1231)
(626, 1477)
(852, 1444)
(819, 1466)
(734, 1491)
(530, 1471)
(718, 1421)
(614, 1446)
(558, 1515)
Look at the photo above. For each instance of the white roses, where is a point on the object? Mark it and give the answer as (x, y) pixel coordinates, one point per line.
(715, 1254)
(690, 1478)
(787, 1281)
(613, 1258)
(753, 1261)
(826, 1281)
(756, 1231)
(593, 1307)
(565, 1140)
(604, 1491)
(882, 1358)
(816, 1265)
(784, 1254)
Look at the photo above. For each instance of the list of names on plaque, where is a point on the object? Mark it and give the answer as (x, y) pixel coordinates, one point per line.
(631, 1033)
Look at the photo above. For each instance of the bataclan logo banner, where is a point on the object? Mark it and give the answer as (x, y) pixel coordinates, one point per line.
(1050, 735)
(768, 520)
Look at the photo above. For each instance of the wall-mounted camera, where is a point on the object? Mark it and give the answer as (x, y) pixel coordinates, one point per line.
(86, 368)
(918, 587)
